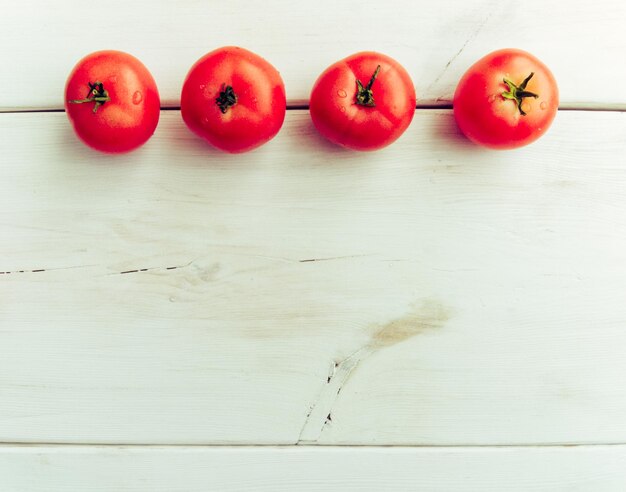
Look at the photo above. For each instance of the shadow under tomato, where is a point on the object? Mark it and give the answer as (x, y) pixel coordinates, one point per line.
(447, 130)
(76, 151)
(300, 137)
(188, 149)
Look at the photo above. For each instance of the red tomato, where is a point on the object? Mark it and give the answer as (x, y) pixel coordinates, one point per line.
(112, 101)
(506, 99)
(363, 102)
(233, 99)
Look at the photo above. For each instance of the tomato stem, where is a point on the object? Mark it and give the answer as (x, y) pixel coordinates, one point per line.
(364, 95)
(97, 94)
(226, 99)
(519, 92)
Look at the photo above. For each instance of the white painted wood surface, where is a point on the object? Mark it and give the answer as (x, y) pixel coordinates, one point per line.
(582, 41)
(430, 294)
(198, 469)
(466, 296)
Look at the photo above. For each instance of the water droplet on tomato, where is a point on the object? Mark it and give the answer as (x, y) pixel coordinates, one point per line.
(342, 109)
(205, 120)
(137, 97)
(492, 98)
(342, 93)
(202, 86)
(543, 105)
(527, 107)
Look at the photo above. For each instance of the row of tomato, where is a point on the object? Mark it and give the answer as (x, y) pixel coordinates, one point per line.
(236, 100)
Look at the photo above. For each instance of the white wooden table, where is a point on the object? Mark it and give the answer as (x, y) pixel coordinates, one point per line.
(432, 316)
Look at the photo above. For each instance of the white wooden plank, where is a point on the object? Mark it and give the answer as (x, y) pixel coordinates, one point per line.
(466, 296)
(195, 469)
(435, 41)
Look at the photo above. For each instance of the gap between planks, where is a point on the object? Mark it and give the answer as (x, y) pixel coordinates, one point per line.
(305, 107)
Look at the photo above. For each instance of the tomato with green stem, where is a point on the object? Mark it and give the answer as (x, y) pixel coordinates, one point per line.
(112, 101)
(507, 99)
(363, 102)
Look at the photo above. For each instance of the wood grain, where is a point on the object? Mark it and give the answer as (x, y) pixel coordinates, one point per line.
(430, 293)
(435, 41)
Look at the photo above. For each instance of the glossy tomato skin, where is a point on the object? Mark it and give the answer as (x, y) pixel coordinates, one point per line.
(338, 117)
(489, 119)
(129, 118)
(259, 111)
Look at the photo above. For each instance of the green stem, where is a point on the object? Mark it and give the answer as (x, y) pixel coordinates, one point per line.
(99, 95)
(519, 92)
(364, 95)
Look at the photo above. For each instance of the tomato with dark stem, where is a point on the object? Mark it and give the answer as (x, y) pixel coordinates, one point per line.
(507, 99)
(363, 102)
(234, 99)
(112, 101)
